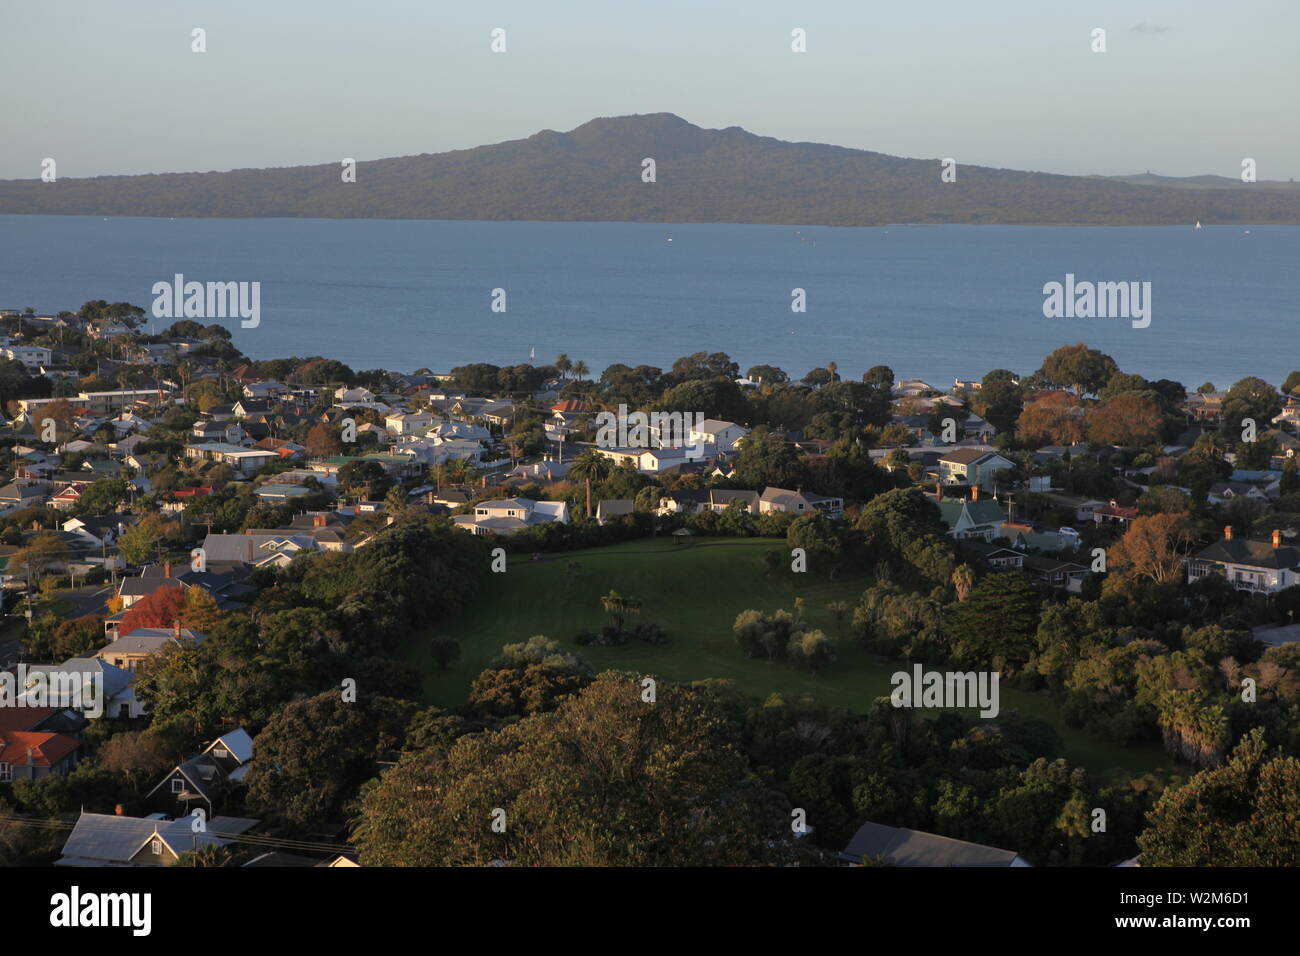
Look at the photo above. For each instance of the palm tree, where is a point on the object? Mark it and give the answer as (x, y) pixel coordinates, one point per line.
(617, 606)
(833, 368)
(963, 579)
(563, 365)
(580, 370)
(590, 464)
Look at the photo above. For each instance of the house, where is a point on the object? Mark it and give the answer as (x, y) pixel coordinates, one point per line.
(204, 780)
(106, 839)
(22, 494)
(245, 461)
(98, 531)
(799, 503)
(409, 423)
(68, 498)
(98, 684)
(971, 518)
(1222, 492)
(267, 548)
(32, 356)
(226, 432)
(1117, 511)
(898, 846)
(266, 390)
(1248, 565)
(611, 508)
(972, 466)
(508, 515)
(31, 754)
(1055, 572)
(717, 435)
(141, 643)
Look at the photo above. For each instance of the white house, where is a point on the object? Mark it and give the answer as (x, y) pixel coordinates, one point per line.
(1248, 565)
(508, 515)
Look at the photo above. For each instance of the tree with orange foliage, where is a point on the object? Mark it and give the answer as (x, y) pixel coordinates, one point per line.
(163, 608)
(1055, 418)
(193, 608)
(1153, 548)
(1127, 420)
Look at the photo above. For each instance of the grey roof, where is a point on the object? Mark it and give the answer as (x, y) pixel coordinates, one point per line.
(1255, 554)
(101, 839)
(148, 640)
(902, 847)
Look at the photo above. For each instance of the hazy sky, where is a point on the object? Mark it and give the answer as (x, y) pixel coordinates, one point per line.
(1185, 87)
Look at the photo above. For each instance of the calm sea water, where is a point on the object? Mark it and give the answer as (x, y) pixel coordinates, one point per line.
(935, 302)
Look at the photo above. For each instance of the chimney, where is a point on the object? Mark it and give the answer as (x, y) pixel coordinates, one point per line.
(938, 490)
(1277, 538)
(167, 569)
(974, 492)
(318, 521)
(1227, 533)
(176, 629)
(119, 810)
(31, 758)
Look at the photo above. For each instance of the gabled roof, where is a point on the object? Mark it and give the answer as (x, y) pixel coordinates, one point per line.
(46, 749)
(1254, 554)
(902, 847)
(101, 839)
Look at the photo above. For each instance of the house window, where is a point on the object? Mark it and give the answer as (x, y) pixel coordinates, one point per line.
(6, 772)
(221, 753)
(178, 784)
(156, 847)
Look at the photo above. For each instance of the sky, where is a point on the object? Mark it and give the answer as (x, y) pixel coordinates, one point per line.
(1183, 88)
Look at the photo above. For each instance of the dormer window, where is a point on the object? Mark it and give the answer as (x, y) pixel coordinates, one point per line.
(178, 784)
(156, 846)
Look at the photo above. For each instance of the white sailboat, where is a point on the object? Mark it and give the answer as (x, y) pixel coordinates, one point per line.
(532, 353)
(1198, 224)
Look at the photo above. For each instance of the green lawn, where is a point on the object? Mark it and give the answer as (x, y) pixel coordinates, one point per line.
(696, 591)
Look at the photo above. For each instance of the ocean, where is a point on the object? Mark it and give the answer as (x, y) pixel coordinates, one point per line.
(932, 302)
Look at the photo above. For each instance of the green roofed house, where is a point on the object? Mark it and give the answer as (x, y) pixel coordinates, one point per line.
(973, 518)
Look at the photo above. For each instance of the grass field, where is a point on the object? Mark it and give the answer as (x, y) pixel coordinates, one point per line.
(696, 591)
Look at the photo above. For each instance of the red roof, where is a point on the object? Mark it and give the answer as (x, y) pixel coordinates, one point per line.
(1111, 511)
(200, 492)
(46, 749)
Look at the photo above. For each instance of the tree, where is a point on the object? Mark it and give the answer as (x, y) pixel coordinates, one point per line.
(445, 650)
(817, 536)
(618, 607)
(1079, 367)
(995, 625)
(1251, 398)
(1153, 548)
(1127, 420)
(767, 460)
(563, 365)
(963, 579)
(162, 608)
(1240, 814)
(316, 753)
(591, 464)
(1054, 418)
(39, 554)
(142, 542)
(603, 780)
(323, 442)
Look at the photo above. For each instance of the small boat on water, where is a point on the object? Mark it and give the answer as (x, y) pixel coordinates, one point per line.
(1198, 224)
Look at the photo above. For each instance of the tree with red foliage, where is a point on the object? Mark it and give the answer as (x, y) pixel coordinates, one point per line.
(163, 608)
